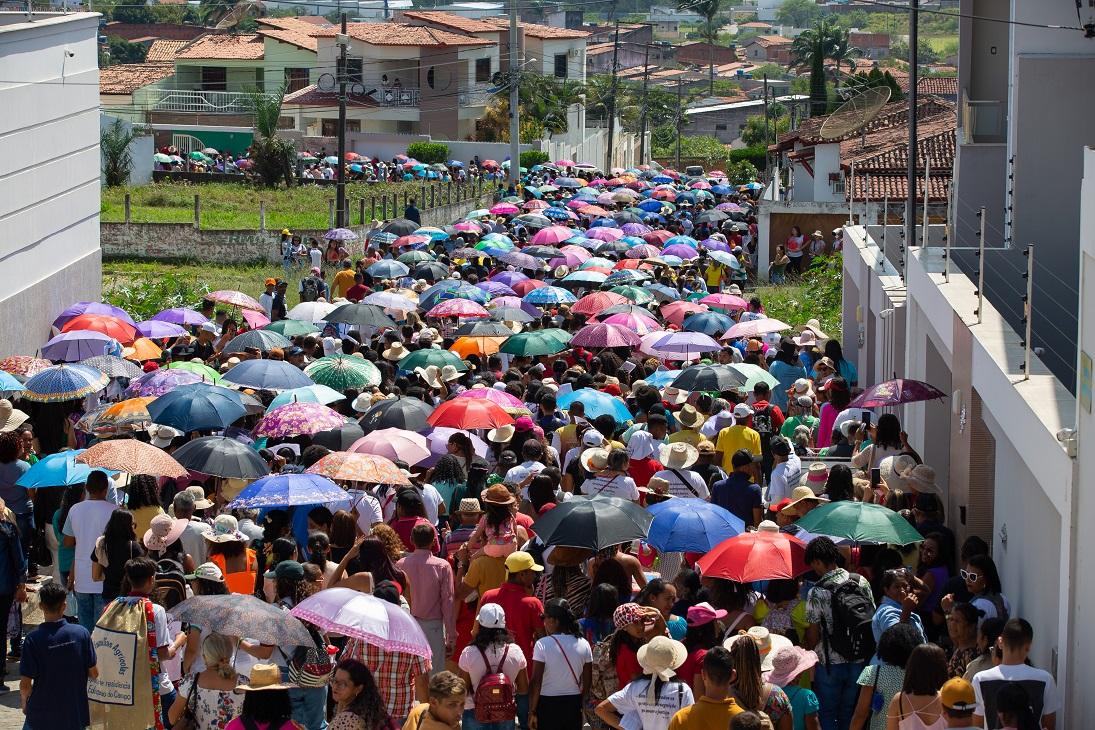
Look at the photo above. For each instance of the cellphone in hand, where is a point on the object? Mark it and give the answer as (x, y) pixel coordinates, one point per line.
(876, 477)
(866, 419)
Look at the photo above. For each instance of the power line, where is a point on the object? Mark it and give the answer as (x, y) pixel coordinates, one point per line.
(902, 8)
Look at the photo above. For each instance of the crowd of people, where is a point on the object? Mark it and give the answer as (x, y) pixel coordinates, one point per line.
(521, 629)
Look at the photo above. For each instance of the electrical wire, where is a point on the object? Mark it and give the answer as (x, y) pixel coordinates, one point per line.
(905, 8)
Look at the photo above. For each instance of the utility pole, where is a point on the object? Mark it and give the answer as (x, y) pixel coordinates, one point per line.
(642, 112)
(341, 214)
(514, 98)
(680, 113)
(910, 203)
(767, 137)
(612, 97)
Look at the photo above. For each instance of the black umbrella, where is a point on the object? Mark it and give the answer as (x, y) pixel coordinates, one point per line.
(409, 414)
(431, 271)
(339, 439)
(400, 227)
(593, 523)
(614, 247)
(220, 456)
(362, 315)
(708, 378)
(482, 328)
(511, 314)
(711, 216)
(542, 252)
(626, 216)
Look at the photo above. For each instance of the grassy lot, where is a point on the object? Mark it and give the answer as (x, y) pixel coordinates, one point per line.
(236, 206)
(944, 45)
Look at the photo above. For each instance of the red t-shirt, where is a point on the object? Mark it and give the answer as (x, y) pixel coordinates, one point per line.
(525, 521)
(524, 613)
(642, 469)
(403, 527)
(357, 292)
(777, 414)
(692, 665)
(627, 665)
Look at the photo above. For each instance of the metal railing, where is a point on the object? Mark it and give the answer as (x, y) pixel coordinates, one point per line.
(204, 102)
(983, 120)
(477, 95)
(393, 97)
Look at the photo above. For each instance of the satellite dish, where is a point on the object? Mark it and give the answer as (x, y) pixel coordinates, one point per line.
(855, 113)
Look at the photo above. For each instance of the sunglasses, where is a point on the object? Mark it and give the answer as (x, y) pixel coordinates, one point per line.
(968, 575)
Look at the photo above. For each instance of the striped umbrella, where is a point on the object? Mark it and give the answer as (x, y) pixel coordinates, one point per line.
(64, 382)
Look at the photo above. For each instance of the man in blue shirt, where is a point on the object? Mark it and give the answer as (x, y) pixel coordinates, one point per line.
(898, 604)
(58, 659)
(739, 493)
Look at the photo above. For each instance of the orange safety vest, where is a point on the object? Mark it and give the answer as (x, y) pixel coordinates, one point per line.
(242, 581)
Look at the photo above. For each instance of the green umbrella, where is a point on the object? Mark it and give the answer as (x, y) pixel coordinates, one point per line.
(753, 374)
(161, 157)
(291, 327)
(341, 372)
(430, 356)
(210, 375)
(198, 156)
(636, 294)
(495, 243)
(537, 342)
(860, 522)
(414, 257)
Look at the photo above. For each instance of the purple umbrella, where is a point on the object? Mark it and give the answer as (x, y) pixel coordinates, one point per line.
(894, 392)
(682, 250)
(76, 345)
(714, 244)
(509, 278)
(605, 335)
(185, 317)
(685, 345)
(521, 260)
(516, 303)
(496, 289)
(161, 381)
(365, 618)
(90, 308)
(602, 233)
(157, 328)
(634, 229)
(340, 234)
(439, 438)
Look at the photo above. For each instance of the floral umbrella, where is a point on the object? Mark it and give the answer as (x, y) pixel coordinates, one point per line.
(24, 365)
(342, 372)
(64, 382)
(132, 457)
(597, 302)
(237, 614)
(348, 466)
(297, 419)
(895, 392)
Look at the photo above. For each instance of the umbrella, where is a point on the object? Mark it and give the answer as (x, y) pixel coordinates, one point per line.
(593, 524)
(755, 556)
(267, 375)
(394, 444)
(235, 299)
(114, 327)
(200, 407)
(288, 490)
(753, 374)
(387, 269)
(142, 349)
(236, 614)
(429, 356)
(691, 525)
(366, 618)
(521, 260)
(91, 308)
(635, 294)
(76, 345)
(458, 308)
(724, 301)
(291, 327)
(132, 457)
(262, 340)
(131, 414)
(161, 381)
(338, 439)
(367, 315)
(298, 419)
(347, 466)
(55, 470)
(755, 327)
(605, 335)
(675, 312)
(400, 227)
(552, 235)
(307, 394)
(405, 413)
(223, 457)
(64, 382)
(342, 372)
(685, 345)
(510, 404)
(537, 342)
(383, 300)
(496, 288)
(481, 346)
(710, 378)
(637, 323)
(895, 392)
(524, 287)
(24, 365)
(595, 303)
(157, 329)
(512, 314)
(469, 413)
(549, 295)
(860, 522)
(9, 383)
(597, 403)
(709, 323)
(204, 371)
(411, 257)
(480, 328)
(311, 311)
(187, 317)
(340, 234)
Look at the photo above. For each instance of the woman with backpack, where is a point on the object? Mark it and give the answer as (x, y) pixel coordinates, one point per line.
(359, 704)
(562, 669)
(496, 671)
(650, 701)
(209, 696)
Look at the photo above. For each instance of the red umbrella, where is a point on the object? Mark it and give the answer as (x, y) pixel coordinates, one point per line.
(657, 237)
(467, 413)
(597, 302)
(755, 556)
(605, 335)
(114, 327)
(411, 240)
(524, 287)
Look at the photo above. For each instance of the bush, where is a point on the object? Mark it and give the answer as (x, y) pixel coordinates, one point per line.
(755, 155)
(428, 152)
(530, 158)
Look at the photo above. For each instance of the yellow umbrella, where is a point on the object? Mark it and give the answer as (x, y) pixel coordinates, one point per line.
(142, 349)
(131, 412)
(481, 346)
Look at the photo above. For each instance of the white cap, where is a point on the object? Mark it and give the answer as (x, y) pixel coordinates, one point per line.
(592, 438)
(492, 616)
(209, 327)
(742, 410)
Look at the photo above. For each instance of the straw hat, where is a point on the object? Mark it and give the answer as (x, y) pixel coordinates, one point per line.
(431, 375)
(689, 417)
(226, 528)
(594, 460)
(813, 325)
(679, 455)
(11, 418)
(921, 478)
(656, 485)
(497, 494)
(502, 434)
(800, 495)
(396, 352)
(164, 531)
(674, 396)
(895, 471)
(815, 477)
(469, 506)
(198, 493)
(162, 436)
(264, 677)
(768, 644)
(449, 373)
(661, 656)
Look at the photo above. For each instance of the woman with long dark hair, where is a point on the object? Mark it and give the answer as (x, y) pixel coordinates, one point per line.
(113, 549)
(369, 556)
(265, 702)
(343, 534)
(319, 552)
(933, 569)
(918, 701)
(359, 705)
(886, 441)
(845, 368)
(662, 595)
(838, 485)
(562, 669)
(597, 624)
(450, 479)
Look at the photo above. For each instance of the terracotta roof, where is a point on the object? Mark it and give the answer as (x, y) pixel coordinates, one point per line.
(128, 77)
(940, 85)
(400, 34)
(312, 96)
(452, 20)
(889, 150)
(535, 30)
(163, 50)
(243, 47)
(294, 31)
(769, 40)
(894, 186)
(894, 114)
(598, 48)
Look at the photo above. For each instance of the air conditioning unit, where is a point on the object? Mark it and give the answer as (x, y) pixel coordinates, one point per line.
(574, 53)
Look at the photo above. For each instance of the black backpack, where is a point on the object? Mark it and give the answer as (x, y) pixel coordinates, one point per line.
(850, 635)
(762, 424)
(169, 589)
(309, 291)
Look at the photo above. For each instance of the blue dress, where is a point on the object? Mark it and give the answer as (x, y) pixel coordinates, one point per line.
(786, 375)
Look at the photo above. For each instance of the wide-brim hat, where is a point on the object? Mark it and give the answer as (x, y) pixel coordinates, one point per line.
(800, 495)
(200, 501)
(502, 434)
(788, 663)
(813, 325)
(895, 471)
(450, 373)
(497, 494)
(396, 352)
(11, 417)
(815, 477)
(264, 677)
(689, 417)
(363, 402)
(679, 455)
(661, 656)
(164, 531)
(431, 375)
(674, 396)
(806, 339)
(162, 436)
(768, 644)
(921, 479)
(641, 445)
(594, 460)
(225, 529)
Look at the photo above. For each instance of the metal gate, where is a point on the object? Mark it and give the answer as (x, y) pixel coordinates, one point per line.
(186, 144)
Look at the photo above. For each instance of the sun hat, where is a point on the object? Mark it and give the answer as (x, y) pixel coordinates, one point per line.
(592, 438)
(679, 455)
(11, 418)
(497, 494)
(491, 616)
(162, 436)
(363, 402)
(430, 375)
(209, 327)
(469, 506)
(705, 447)
(767, 644)
(640, 445)
(450, 373)
(895, 471)
(429, 334)
(594, 460)
(286, 232)
(207, 571)
(767, 526)
(815, 477)
(806, 339)
(814, 326)
(742, 410)
(776, 507)
(226, 528)
(689, 417)
(420, 286)
(704, 613)
(629, 613)
(396, 352)
(502, 434)
(660, 657)
(803, 386)
(825, 362)
(519, 561)
(264, 677)
(921, 478)
(801, 494)
(198, 493)
(163, 531)
(957, 694)
(847, 428)
(289, 570)
(674, 396)
(734, 289)
(789, 662)
(656, 485)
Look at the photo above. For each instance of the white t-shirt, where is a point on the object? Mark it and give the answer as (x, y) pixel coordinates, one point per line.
(316, 255)
(86, 522)
(163, 638)
(675, 696)
(471, 661)
(988, 608)
(558, 680)
(784, 478)
(431, 499)
(623, 487)
(1038, 683)
(368, 512)
(678, 488)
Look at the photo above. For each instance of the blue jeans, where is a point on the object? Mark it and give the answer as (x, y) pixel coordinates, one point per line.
(165, 705)
(837, 692)
(468, 722)
(88, 608)
(309, 707)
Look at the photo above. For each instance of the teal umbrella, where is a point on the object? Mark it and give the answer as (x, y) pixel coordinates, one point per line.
(291, 328)
(341, 372)
(308, 394)
(429, 356)
(537, 342)
(860, 522)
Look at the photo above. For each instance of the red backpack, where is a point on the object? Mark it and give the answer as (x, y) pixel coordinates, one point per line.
(495, 698)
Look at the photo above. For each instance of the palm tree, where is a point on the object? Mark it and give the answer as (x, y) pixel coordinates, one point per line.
(825, 41)
(114, 142)
(274, 157)
(709, 31)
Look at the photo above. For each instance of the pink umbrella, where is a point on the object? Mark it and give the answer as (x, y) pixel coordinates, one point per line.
(755, 327)
(634, 322)
(364, 617)
(536, 205)
(552, 235)
(577, 203)
(657, 237)
(643, 251)
(681, 250)
(234, 298)
(599, 301)
(499, 397)
(468, 227)
(458, 308)
(605, 335)
(505, 209)
(396, 444)
(605, 233)
(564, 163)
(524, 287)
(700, 185)
(567, 259)
(647, 345)
(598, 181)
(724, 301)
(593, 210)
(255, 320)
(664, 194)
(606, 199)
(675, 312)
(297, 419)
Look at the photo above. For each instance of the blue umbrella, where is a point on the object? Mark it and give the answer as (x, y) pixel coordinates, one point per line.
(455, 163)
(726, 259)
(686, 240)
(721, 189)
(626, 276)
(450, 289)
(691, 525)
(652, 217)
(651, 205)
(661, 180)
(267, 375)
(9, 382)
(288, 490)
(709, 323)
(388, 269)
(201, 407)
(661, 378)
(597, 403)
(382, 238)
(331, 160)
(556, 213)
(308, 394)
(57, 470)
(604, 223)
(64, 382)
(664, 293)
(550, 295)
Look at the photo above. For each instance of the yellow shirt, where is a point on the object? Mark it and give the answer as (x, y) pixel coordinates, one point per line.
(142, 517)
(706, 714)
(714, 274)
(342, 282)
(420, 719)
(687, 436)
(486, 573)
(733, 438)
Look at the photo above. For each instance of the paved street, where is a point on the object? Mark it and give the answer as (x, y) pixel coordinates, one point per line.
(11, 718)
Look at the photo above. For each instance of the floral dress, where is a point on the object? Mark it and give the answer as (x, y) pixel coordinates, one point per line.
(213, 708)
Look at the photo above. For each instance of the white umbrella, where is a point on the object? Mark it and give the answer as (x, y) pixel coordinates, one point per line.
(366, 618)
(311, 311)
(396, 444)
(755, 328)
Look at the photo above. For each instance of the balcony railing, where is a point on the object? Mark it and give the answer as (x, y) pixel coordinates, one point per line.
(393, 97)
(477, 95)
(983, 121)
(202, 102)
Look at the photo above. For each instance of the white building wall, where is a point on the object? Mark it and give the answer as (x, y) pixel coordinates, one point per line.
(49, 185)
(826, 161)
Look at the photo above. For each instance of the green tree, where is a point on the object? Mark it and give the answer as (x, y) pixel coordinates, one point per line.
(875, 77)
(274, 156)
(771, 70)
(825, 41)
(114, 144)
(798, 13)
(133, 14)
(924, 51)
(753, 134)
(739, 173)
(708, 30)
(122, 51)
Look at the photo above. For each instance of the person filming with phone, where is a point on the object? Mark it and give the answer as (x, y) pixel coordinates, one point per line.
(884, 440)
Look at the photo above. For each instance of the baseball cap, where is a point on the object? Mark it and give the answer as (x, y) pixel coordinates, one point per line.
(207, 571)
(741, 410)
(209, 327)
(592, 438)
(519, 561)
(271, 282)
(957, 694)
(492, 616)
(289, 570)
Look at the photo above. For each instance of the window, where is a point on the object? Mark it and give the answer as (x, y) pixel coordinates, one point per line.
(296, 78)
(430, 77)
(560, 65)
(720, 127)
(353, 70)
(329, 127)
(214, 78)
(482, 70)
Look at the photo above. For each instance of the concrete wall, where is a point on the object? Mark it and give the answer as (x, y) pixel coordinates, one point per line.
(49, 185)
(141, 150)
(280, 56)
